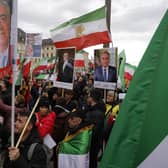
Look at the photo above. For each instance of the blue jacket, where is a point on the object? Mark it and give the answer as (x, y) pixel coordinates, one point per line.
(112, 74)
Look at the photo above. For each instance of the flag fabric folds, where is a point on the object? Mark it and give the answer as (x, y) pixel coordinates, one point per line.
(122, 61)
(139, 137)
(74, 149)
(129, 71)
(84, 31)
(26, 67)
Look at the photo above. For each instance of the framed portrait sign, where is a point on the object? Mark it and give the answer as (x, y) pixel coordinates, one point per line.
(65, 67)
(33, 45)
(105, 69)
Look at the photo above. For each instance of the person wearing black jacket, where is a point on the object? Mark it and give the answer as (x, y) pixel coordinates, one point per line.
(18, 157)
(95, 114)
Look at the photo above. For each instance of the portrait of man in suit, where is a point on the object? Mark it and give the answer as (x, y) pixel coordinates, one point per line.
(105, 72)
(4, 33)
(66, 69)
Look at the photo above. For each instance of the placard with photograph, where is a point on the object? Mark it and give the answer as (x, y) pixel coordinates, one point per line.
(105, 71)
(65, 67)
(8, 35)
(33, 45)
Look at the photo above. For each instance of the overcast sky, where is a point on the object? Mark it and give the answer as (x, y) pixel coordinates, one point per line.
(133, 22)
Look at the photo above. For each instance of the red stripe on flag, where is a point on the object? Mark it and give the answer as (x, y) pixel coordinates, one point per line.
(85, 41)
(127, 75)
(79, 63)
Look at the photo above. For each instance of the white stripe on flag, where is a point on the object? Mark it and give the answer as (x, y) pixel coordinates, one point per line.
(158, 157)
(69, 31)
(73, 161)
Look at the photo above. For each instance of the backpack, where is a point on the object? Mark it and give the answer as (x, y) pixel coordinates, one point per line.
(48, 152)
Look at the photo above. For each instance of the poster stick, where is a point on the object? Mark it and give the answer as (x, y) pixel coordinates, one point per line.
(27, 122)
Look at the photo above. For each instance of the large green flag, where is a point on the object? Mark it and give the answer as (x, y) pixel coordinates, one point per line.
(139, 137)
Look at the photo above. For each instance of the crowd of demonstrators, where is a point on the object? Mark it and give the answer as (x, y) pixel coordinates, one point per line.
(60, 113)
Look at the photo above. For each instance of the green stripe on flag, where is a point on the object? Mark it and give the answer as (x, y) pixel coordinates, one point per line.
(78, 143)
(92, 16)
(142, 121)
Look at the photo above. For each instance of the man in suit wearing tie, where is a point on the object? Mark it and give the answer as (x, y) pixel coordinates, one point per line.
(66, 71)
(105, 72)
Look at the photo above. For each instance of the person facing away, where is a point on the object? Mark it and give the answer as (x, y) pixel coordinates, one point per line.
(18, 156)
(66, 71)
(105, 72)
(4, 32)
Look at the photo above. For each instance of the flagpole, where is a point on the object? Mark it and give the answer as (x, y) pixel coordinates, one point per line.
(14, 66)
(108, 19)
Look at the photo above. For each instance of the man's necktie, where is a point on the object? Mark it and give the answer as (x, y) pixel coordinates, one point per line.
(105, 74)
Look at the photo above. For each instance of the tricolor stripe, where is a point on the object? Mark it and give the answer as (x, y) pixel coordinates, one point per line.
(84, 31)
(79, 60)
(129, 71)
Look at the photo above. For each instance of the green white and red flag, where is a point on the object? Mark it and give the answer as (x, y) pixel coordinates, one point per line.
(139, 138)
(84, 31)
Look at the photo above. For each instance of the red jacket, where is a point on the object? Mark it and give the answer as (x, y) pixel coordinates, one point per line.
(45, 124)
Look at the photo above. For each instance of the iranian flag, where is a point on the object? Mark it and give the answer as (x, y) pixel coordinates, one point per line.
(74, 149)
(129, 71)
(84, 31)
(139, 138)
(40, 66)
(79, 60)
(26, 67)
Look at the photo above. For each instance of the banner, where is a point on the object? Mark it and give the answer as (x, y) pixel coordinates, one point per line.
(105, 73)
(33, 45)
(7, 31)
(65, 68)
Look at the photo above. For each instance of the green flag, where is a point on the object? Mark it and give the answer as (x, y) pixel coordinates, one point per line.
(122, 61)
(139, 138)
(74, 149)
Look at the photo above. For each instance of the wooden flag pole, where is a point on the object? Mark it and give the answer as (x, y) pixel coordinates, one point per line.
(108, 19)
(27, 122)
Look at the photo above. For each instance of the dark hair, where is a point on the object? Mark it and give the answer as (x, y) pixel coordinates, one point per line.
(77, 114)
(6, 82)
(26, 113)
(95, 94)
(44, 102)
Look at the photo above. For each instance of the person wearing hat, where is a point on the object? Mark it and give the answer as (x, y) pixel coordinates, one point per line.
(45, 118)
(77, 139)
